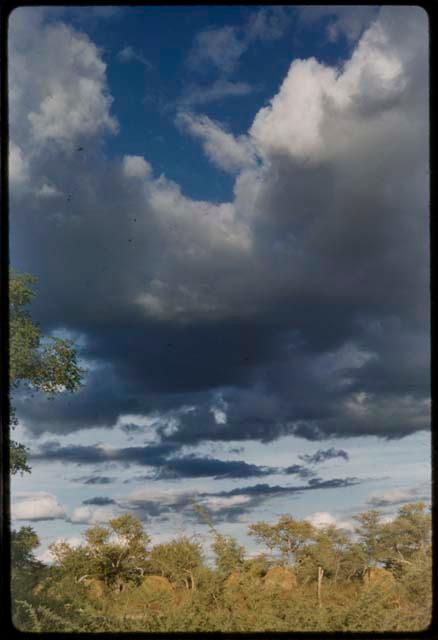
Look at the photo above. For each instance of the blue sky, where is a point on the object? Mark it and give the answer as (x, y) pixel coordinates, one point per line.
(228, 214)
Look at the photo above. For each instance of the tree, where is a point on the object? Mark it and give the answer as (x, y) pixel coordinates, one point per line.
(179, 560)
(407, 538)
(229, 554)
(288, 535)
(323, 556)
(327, 550)
(354, 561)
(115, 554)
(371, 533)
(23, 543)
(41, 363)
(72, 562)
(25, 568)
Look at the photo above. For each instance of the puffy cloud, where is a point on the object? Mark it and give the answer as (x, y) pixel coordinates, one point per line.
(219, 503)
(93, 514)
(222, 148)
(136, 167)
(322, 112)
(385, 498)
(18, 166)
(36, 506)
(55, 99)
(292, 123)
(322, 519)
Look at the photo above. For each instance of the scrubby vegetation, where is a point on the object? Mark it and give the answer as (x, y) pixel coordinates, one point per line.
(312, 579)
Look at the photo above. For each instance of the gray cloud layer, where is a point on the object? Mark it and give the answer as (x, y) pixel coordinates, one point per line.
(227, 505)
(302, 306)
(324, 454)
(157, 456)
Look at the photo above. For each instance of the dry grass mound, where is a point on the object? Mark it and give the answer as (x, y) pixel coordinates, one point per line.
(157, 583)
(280, 578)
(96, 588)
(379, 575)
(233, 580)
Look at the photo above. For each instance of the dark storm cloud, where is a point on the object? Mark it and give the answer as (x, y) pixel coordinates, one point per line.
(99, 501)
(95, 480)
(303, 303)
(314, 483)
(157, 456)
(324, 454)
(153, 455)
(195, 467)
(297, 469)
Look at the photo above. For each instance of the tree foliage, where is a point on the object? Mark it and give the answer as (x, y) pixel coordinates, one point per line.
(288, 536)
(23, 544)
(197, 597)
(47, 364)
(179, 560)
(371, 534)
(229, 554)
(115, 554)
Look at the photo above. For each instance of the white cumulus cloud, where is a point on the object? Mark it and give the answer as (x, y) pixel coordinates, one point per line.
(92, 515)
(56, 99)
(322, 519)
(398, 496)
(18, 166)
(222, 148)
(35, 506)
(136, 167)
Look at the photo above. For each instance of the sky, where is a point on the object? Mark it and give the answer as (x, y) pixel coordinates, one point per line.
(227, 209)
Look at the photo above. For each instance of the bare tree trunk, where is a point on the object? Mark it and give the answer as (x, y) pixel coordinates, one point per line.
(320, 575)
(337, 572)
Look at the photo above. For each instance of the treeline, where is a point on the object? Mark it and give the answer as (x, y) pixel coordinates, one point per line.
(312, 579)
